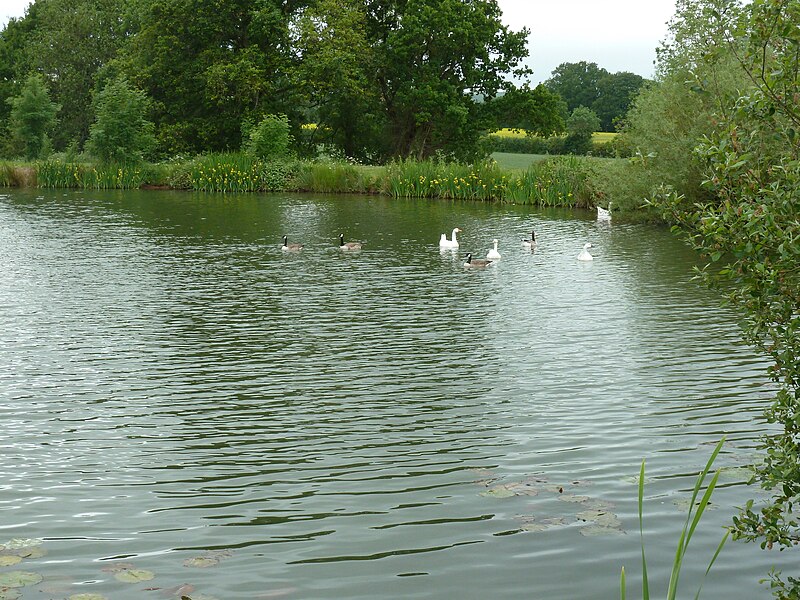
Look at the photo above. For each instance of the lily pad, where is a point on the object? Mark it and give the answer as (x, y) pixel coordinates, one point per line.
(7, 593)
(134, 575)
(595, 530)
(522, 489)
(535, 527)
(554, 489)
(498, 491)
(599, 505)
(685, 503)
(10, 560)
(16, 543)
(735, 473)
(573, 498)
(201, 562)
(31, 552)
(118, 567)
(17, 579)
(87, 597)
(600, 517)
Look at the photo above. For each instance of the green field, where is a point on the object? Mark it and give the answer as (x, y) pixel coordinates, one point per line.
(598, 137)
(520, 162)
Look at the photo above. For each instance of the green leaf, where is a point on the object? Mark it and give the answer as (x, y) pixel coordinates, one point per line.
(16, 579)
(134, 575)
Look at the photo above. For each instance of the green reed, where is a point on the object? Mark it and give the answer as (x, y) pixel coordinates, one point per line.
(334, 177)
(452, 181)
(230, 172)
(563, 181)
(58, 174)
(692, 519)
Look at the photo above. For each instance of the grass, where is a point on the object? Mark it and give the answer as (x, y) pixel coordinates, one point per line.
(517, 162)
(693, 517)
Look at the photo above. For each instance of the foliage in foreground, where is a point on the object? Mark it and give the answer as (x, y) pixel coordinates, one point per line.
(693, 517)
(749, 229)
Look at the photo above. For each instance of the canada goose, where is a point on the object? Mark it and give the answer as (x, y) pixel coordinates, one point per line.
(478, 262)
(531, 242)
(603, 214)
(584, 255)
(452, 242)
(287, 247)
(493, 253)
(348, 245)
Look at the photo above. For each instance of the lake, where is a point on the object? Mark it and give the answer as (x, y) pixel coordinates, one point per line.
(187, 410)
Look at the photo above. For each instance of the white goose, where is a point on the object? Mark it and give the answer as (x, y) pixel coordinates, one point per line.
(493, 254)
(584, 255)
(531, 243)
(603, 214)
(452, 242)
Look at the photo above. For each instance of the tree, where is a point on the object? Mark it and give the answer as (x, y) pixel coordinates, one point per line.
(577, 83)
(432, 59)
(121, 132)
(615, 94)
(582, 123)
(32, 117)
(334, 75)
(210, 65)
(748, 225)
(538, 111)
(67, 41)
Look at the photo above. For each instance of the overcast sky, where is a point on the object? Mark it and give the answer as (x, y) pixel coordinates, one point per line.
(618, 35)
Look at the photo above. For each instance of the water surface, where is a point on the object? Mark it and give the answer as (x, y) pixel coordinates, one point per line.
(382, 424)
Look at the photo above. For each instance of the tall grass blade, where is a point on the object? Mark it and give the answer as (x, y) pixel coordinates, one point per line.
(645, 582)
(711, 564)
(622, 584)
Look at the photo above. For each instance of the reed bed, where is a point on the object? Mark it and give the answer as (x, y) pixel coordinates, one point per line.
(57, 174)
(240, 172)
(451, 181)
(335, 177)
(563, 181)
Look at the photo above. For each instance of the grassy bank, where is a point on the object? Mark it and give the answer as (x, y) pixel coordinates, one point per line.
(565, 181)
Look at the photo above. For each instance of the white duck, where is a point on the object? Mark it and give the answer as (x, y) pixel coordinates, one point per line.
(531, 243)
(452, 242)
(584, 255)
(493, 254)
(603, 214)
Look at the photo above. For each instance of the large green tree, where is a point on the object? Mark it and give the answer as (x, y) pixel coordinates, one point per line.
(67, 41)
(538, 111)
(208, 65)
(432, 59)
(583, 83)
(32, 117)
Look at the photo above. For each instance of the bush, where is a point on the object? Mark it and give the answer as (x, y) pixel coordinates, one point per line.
(271, 138)
(32, 116)
(121, 133)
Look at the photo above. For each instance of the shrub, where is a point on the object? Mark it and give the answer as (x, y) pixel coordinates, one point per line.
(32, 116)
(121, 133)
(271, 138)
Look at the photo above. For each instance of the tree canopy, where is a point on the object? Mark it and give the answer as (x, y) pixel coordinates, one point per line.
(379, 77)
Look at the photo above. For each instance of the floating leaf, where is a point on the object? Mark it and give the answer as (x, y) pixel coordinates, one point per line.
(555, 521)
(16, 579)
(684, 503)
(573, 498)
(600, 517)
(735, 473)
(535, 527)
(7, 593)
(201, 562)
(522, 489)
(554, 489)
(604, 505)
(594, 530)
(87, 597)
(7, 561)
(134, 575)
(16, 543)
(499, 491)
(31, 552)
(117, 567)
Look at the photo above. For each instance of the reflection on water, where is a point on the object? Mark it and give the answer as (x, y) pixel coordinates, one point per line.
(180, 396)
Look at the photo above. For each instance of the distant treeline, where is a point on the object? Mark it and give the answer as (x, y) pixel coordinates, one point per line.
(380, 78)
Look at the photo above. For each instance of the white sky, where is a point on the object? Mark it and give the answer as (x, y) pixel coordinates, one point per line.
(618, 35)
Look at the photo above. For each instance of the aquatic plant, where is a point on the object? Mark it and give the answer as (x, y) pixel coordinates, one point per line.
(693, 516)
